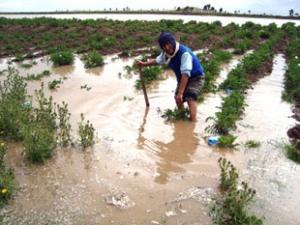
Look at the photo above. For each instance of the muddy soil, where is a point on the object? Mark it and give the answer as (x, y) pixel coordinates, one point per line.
(143, 170)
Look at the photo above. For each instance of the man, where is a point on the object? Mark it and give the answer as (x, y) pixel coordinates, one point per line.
(187, 68)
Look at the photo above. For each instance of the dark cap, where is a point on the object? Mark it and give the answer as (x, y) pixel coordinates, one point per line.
(166, 37)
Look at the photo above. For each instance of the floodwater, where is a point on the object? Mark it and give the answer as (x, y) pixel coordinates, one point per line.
(143, 170)
(155, 17)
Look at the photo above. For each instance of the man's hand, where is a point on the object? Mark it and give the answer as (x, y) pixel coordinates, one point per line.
(139, 63)
(179, 99)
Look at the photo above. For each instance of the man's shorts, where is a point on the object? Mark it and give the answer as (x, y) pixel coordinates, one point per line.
(192, 89)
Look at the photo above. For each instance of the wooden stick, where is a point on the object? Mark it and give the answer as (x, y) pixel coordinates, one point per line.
(144, 87)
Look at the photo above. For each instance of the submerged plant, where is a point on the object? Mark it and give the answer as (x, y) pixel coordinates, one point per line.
(54, 84)
(227, 141)
(252, 144)
(86, 132)
(176, 114)
(38, 76)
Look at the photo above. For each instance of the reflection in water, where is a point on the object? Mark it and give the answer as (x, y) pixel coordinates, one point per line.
(95, 71)
(64, 70)
(176, 152)
(172, 154)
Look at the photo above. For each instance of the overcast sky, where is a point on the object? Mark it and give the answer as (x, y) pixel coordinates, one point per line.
(275, 7)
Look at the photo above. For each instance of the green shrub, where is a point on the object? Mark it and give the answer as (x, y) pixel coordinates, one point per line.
(60, 58)
(92, 59)
(86, 132)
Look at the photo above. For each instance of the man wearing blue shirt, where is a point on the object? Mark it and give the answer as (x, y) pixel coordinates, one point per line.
(187, 68)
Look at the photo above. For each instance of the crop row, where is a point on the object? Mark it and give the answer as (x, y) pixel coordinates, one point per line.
(27, 36)
(237, 82)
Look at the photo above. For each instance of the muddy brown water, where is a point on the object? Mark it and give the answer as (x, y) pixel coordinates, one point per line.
(143, 170)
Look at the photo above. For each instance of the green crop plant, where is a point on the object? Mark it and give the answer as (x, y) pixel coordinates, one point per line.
(86, 132)
(150, 74)
(292, 151)
(231, 110)
(60, 58)
(227, 141)
(231, 208)
(13, 110)
(39, 132)
(38, 76)
(64, 125)
(92, 59)
(229, 175)
(236, 79)
(54, 84)
(7, 186)
(176, 114)
(292, 76)
(45, 112)
(211, 64)
(252, 144)
(39, 141)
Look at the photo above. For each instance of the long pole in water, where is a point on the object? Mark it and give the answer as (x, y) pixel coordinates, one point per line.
(144, 87)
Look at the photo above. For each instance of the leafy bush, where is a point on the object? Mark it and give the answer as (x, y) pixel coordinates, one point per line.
(86, 132)
(60, 58)
(92, 59)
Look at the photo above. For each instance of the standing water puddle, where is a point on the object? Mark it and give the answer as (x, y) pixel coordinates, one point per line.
(141, 167)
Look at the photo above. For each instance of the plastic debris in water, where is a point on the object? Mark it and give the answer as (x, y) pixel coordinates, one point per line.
(213, 140)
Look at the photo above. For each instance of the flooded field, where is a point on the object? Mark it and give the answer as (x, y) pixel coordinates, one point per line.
(143, 170)
(154, 17)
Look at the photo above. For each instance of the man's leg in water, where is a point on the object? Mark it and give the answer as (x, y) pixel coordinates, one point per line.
(193, 110)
